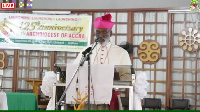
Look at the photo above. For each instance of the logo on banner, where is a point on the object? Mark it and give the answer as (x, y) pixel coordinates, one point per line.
(7, 5)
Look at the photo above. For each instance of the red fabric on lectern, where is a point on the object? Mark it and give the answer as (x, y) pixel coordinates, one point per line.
(114, 104)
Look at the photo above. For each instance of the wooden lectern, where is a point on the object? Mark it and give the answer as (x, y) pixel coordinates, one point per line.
(35, 84)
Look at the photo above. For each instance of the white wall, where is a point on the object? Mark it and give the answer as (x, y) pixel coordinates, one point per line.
(108, 4)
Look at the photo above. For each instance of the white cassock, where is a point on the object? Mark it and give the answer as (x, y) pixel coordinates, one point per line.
(109, 54)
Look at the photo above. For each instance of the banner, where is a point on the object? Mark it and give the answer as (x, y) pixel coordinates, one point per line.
(44, 32)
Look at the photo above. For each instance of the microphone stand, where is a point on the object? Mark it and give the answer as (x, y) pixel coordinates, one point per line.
(63, 95)
(86, 58)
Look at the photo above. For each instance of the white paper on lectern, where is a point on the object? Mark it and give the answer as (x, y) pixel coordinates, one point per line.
(102, 82)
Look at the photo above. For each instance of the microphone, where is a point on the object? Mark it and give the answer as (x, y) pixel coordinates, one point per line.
(132, 70)
(97, 39)
(133, 75)
(87, 51)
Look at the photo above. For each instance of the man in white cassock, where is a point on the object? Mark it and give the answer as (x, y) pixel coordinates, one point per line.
(105, 52)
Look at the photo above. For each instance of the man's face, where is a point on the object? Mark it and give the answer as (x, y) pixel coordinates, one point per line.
(104, 34)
